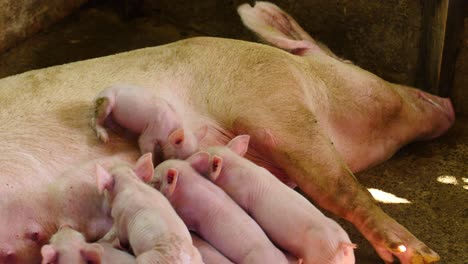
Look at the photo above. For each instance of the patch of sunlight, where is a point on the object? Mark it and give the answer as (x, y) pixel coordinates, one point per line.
(465, 180)
(401, 248)
(447, 179)
(465, 187)
(386, 197)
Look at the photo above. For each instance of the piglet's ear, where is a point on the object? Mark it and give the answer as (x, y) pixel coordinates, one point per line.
(200, 161)
(144, 168)
(49, 254)
(201, 132)
(177, 137)
(239, 144)
(172, 175)
(105, 181)
(92, 253)
(216, 166)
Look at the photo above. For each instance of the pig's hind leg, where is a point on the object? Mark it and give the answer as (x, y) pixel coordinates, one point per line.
(279, 29)
(102, 109)
(299, 146)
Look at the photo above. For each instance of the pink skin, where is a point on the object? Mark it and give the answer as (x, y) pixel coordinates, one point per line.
(305, 232)
(70, 246)
(416, 115)
(207, 210)
(143, 218)
(382, 118)
(313, 119)
(151, 117)
(55, 204)
(209, 254)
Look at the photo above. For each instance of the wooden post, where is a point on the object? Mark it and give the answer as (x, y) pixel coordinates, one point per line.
(452, 44)
(442, 24)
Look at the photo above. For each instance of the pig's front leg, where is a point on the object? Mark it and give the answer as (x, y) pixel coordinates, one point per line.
(111, 238)
(147, 142)
(299, 146)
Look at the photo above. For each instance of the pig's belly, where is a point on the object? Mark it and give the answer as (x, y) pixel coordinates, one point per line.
(40, 147)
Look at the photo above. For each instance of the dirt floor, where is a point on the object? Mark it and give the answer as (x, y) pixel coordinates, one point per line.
(432, 176)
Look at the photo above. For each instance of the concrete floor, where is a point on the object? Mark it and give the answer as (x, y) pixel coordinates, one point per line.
(437, 213)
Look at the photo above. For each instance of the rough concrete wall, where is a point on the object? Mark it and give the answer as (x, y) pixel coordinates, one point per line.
(19, 19)
(380, 36)
(459, 92)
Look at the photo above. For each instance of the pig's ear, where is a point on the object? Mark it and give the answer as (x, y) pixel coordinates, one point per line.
(105, 181)
(49, 254)
(177, 137)
(201, 132)
(200, 161)
(144, 167)
(239, 144)
(216, 166)
(92, 253)
(171, 177)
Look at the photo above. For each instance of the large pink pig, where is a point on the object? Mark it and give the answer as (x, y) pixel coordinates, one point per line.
(69, 246)
(207, 210)
(288, 219)
(313, 120)
(151, 117)
(143, 218)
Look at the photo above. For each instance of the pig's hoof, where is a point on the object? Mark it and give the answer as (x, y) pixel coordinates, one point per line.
(412, 253)
(390, 239)
(416, 253)
(101, 133)
(424, 255)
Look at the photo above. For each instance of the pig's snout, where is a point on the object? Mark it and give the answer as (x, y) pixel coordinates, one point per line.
(442, 104)
(436, 115)
(447, 105)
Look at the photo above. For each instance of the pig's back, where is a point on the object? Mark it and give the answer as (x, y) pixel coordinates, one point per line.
(44, 114)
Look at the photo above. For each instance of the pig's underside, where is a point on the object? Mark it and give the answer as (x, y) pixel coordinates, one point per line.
(291, 107)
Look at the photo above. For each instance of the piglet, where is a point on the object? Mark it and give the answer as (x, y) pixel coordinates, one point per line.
(143, 217)
(291, 221)
(208, 211)
(151, 117)
(69, 246)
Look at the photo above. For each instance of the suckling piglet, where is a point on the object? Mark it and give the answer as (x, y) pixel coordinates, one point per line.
(290, 221)
(154, 119)
(208, 211)
(143, 217)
